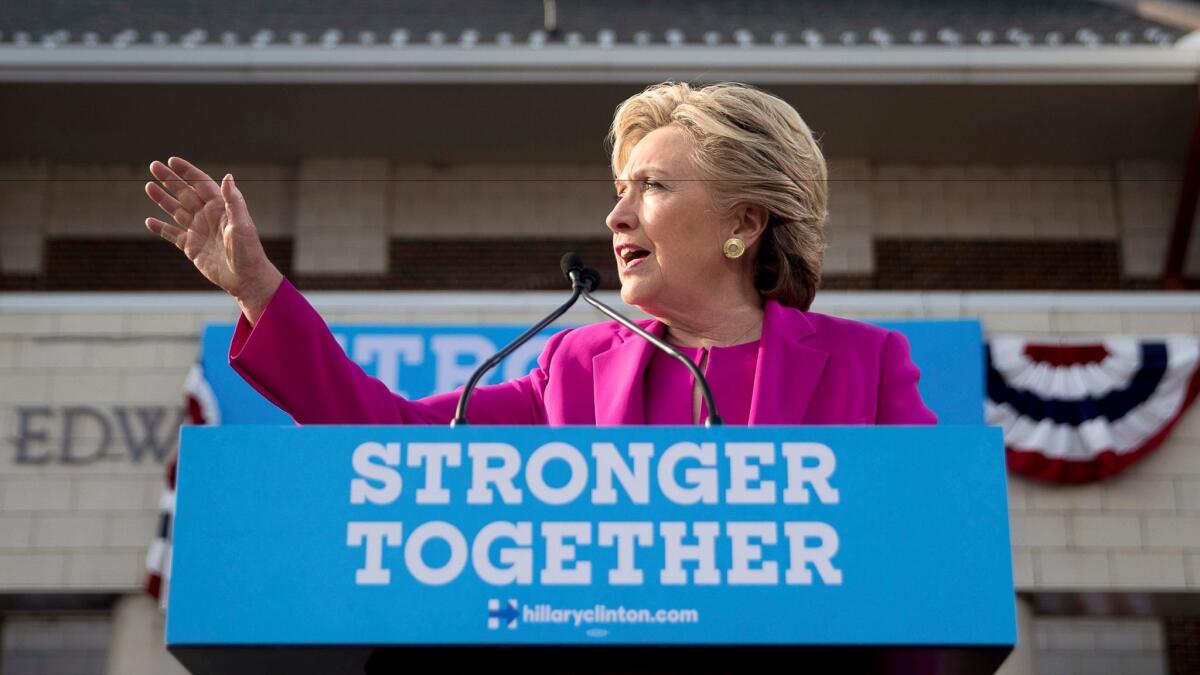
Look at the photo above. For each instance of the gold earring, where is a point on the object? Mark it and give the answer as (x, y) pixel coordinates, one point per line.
(734, 248)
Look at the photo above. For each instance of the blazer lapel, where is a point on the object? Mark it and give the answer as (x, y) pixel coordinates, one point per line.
(787, 371)
(618, 377)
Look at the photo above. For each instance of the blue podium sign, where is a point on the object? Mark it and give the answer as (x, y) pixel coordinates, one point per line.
(591, 536)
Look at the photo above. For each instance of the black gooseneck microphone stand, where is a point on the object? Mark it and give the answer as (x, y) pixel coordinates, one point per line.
(572, 268)
(713, 418)
(583, 282)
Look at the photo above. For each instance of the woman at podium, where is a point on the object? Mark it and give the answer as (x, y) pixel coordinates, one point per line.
(720, 198)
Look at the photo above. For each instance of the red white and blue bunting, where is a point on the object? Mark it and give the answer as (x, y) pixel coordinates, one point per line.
(202, 409)
(1076, 413)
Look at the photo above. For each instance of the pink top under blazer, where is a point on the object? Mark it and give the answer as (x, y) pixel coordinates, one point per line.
(812, 369)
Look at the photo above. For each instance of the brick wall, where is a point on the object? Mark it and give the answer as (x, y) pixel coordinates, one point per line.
(997, 264)
(1146, 195)
(492, 201)
(73, 527)
(94, 263)
(1117, 646)
(23, 188)
(345, 218)
(852, 220)
(124, 264)
(1183, 644)
(341, 217)
(1019, 201)
(54, 645)
(95, 200)
(531, 264)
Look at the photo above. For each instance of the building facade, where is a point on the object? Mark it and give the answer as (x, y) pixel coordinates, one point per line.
(1022, 166)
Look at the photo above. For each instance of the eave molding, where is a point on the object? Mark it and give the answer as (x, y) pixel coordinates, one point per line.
(598, 65)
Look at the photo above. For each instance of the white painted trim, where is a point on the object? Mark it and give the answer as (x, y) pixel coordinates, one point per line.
(966, 303)
(1074, 64)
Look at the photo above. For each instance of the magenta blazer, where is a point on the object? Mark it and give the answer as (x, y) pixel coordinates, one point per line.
(812, 369)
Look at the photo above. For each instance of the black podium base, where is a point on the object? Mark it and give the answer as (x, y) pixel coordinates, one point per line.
(342, 660)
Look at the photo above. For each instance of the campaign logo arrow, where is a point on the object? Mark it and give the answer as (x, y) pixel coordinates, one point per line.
(502, 613)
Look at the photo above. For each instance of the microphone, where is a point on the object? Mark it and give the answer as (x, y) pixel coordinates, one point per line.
(581, 282)
(573, 269)
(592, 280)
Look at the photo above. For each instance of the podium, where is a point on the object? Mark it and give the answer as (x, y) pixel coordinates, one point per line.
(345, 549)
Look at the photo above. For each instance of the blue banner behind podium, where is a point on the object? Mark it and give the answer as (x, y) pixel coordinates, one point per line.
(618, 536)
(418, 361)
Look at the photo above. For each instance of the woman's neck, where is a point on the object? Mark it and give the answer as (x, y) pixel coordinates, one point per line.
(717, 325)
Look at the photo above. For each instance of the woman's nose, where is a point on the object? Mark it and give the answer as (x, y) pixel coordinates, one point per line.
(621, 217)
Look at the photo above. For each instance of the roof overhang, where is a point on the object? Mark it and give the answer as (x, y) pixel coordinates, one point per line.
(1066, 64)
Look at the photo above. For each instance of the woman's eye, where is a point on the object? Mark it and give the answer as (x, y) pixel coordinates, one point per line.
(645, 184)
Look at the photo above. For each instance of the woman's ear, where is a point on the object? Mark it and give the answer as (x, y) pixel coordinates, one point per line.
(749, 222)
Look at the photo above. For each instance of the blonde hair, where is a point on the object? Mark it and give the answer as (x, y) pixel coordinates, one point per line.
(751, 147)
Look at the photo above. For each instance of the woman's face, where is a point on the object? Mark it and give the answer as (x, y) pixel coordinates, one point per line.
(667, 235)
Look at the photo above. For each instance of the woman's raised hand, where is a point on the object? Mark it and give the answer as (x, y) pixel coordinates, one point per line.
(214, 230)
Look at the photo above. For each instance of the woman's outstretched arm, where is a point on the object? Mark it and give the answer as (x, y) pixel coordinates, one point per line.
(212, 226)
(291, 358)
(281, 346)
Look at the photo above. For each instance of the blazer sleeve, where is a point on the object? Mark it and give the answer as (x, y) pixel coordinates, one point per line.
(292, 359)
(899, 400)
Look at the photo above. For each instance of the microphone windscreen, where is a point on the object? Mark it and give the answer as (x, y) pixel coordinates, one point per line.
(591, 277)
(571, 262)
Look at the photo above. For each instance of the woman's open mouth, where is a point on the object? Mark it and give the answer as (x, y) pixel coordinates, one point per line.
(630, 256)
